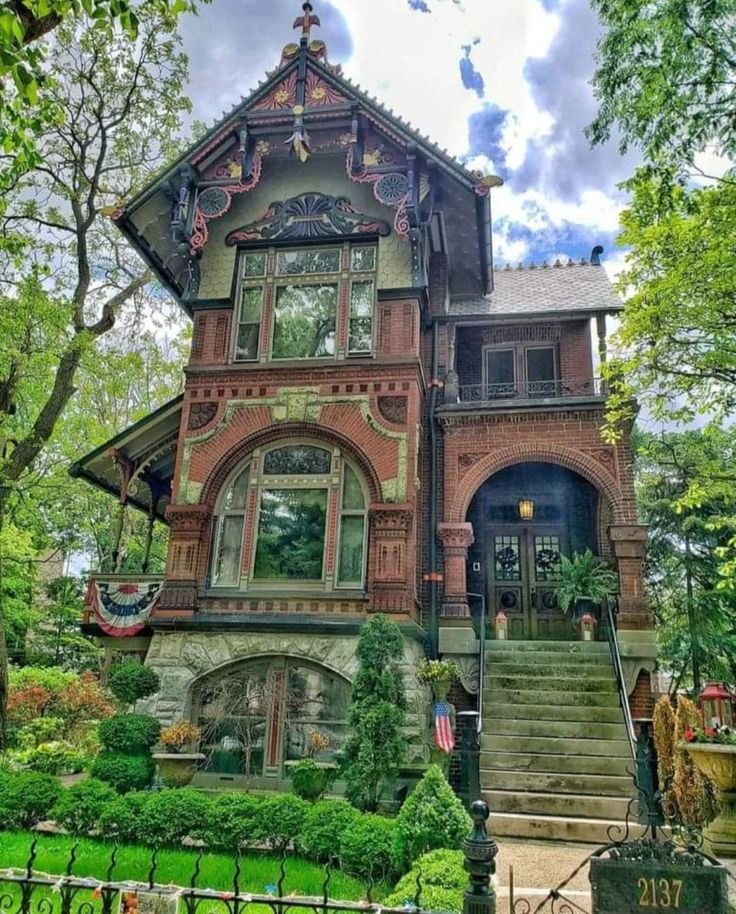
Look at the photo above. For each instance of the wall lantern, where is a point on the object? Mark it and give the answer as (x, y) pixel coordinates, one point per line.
(587, 627)
(502, 626)
(716, 705)
(526, 508)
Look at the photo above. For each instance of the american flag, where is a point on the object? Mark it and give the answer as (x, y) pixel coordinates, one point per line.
(443, 737)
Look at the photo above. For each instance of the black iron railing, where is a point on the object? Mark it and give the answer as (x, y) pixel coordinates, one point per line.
(610, 610)
(531, 390)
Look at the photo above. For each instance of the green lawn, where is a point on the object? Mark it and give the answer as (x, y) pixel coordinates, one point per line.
(174, 866)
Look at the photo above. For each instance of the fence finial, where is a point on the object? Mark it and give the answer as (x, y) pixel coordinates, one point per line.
(480, 856)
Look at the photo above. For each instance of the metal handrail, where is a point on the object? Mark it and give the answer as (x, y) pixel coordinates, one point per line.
(481, 656)
(560, 387)
(619, 671)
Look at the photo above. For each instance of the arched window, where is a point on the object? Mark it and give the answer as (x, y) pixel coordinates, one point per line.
(294, 514)
(258, 716)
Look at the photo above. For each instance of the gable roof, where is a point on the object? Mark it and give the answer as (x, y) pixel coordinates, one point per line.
(564, 289)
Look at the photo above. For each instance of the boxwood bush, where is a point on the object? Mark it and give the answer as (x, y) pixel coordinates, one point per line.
(80, 808)
(233, 821)
(131, 734)
(172, 814)
(443, 881)
(27, 798)
(368, 848)
(324, 825)
(123, 772)
(130, 680)
(280, 819)
(121, 818)
(431, 817)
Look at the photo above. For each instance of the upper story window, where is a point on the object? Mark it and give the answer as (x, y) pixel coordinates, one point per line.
(306, 524)
(527, 370)
(322, 302)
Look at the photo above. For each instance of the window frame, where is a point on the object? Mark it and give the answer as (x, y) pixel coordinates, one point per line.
(521, 378)
(271, 281)
(332, 482)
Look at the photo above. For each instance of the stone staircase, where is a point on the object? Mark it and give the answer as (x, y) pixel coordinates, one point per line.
(554, 753)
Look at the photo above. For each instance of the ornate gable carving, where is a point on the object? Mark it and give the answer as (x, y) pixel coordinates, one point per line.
(309, 215)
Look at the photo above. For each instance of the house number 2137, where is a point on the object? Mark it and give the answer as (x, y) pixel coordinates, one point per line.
(663, 894)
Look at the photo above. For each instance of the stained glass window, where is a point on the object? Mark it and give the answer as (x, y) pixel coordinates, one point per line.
(361, 317)
(297, 459)
(507, 566)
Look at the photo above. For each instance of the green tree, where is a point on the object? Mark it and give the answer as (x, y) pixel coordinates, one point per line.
(696, 616)
(122, 103)
(665, 78)
(376, 747)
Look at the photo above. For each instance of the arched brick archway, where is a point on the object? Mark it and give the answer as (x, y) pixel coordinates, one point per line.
(283, 432)
(571, 459)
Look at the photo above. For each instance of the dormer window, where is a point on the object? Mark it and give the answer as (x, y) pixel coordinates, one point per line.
(316, 302)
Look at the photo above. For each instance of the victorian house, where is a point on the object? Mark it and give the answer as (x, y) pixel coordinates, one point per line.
(374, 420)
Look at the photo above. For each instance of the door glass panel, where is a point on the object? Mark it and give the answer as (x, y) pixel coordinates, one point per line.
(500, 372)
(547, 558)
(540, 371)
(291, 535)
(304, 325)
(507, 566)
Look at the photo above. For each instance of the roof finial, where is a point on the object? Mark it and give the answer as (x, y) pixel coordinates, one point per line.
(306, 21)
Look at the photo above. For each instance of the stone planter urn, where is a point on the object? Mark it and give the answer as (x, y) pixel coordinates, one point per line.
(177, 768)
(718, 762)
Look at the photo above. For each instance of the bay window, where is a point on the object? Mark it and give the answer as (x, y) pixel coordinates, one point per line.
(314, 291)
(294, 491)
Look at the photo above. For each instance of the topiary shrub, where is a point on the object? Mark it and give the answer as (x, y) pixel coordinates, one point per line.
(280, 820)
(233, 821)
(323, 828)
(173, 814)
(368, 848)
(123, 772)
(131, 680)
(443, 882)
(130, 734)
(27, 798)
(121, 818)
(432, 816)
(376, 745)
(79, 808)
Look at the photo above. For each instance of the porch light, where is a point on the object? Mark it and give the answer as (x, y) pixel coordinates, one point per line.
(526, 508)
(716, 705)
(502, 626)
(587, 627)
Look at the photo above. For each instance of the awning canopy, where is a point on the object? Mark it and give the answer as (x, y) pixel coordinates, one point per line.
(142, 458)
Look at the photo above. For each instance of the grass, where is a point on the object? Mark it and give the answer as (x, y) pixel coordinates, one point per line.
(174, 867)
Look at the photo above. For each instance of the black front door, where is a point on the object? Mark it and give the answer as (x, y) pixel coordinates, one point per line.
(524, 564)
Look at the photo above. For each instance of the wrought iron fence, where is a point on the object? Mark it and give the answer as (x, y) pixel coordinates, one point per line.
(531, 390)
(26, 890)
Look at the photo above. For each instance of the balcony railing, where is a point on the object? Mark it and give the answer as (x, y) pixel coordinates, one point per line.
(531, 390)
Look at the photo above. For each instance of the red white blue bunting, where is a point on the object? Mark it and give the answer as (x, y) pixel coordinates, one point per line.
(122, 609)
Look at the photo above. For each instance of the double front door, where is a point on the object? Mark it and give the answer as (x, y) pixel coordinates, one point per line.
(524, 576)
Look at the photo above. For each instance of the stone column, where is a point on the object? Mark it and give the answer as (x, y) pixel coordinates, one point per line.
(456, 539)
(628, 542)
(388, 568)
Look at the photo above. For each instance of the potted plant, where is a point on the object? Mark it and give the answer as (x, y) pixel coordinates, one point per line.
(585, 582)
(438, 675)
(309, 777)
(713, 750)
(176, 765)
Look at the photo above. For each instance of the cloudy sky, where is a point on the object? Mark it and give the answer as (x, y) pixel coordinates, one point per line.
(503, 84)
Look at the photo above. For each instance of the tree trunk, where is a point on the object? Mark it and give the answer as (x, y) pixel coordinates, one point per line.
(691, 620)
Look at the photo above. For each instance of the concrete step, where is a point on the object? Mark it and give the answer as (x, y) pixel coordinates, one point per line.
(493, 681)
(553, 729)
(550, 698)
(553, 782)
(553, 667)
(539, 647)
(495, 707)
(553, 828)
(557, 804)
(555, 745)
(561, 764)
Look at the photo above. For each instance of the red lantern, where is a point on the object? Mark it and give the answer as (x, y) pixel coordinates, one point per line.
(502, 626)
(716, 705)
(587, 627)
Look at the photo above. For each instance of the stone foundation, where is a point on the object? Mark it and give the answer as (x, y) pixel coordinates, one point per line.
(182, 658)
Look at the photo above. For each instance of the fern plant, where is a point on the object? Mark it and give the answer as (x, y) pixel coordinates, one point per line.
(584, 577)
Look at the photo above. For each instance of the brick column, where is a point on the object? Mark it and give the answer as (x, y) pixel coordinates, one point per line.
(388, 567)
(456, 539)
(628, 542)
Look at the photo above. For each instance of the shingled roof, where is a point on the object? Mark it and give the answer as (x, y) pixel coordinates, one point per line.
(540, 289)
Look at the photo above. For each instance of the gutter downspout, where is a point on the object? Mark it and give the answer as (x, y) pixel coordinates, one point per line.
(433, 576)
